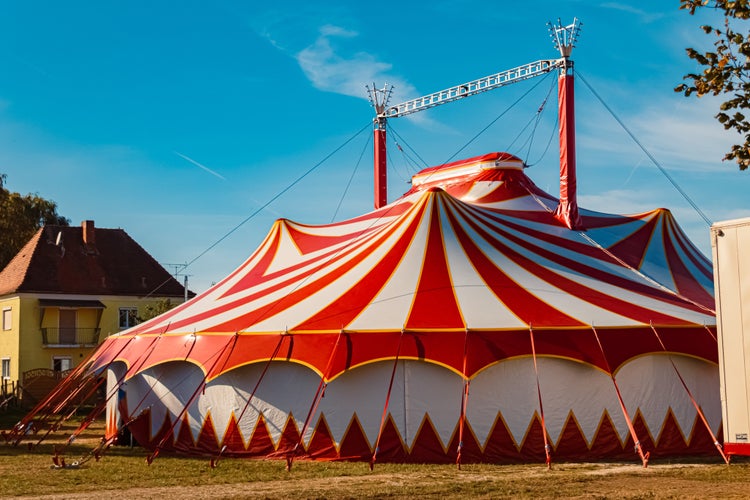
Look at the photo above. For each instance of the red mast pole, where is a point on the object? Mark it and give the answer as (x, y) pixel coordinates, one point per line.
(379, 100)
(564, 38)
(567, 209)
(381, 184)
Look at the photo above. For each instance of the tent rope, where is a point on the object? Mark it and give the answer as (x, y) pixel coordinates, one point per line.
(535, 120)
(547, 447)
(710, 332)
(645, 151)
(16, 434)
(398, 140)
(392, 161)
(351, 178)
(259, 209)
(262, 375)
(106, 442)
(66, 416)
(215, 460)
(385, 406)
(464, 402)
(690, 395)
(319, 393)
(553, 132)
(220, 354)
(486, 127)
(646, 276)
(633, 434)
(412, 166)
(624, 264)
(97, 410)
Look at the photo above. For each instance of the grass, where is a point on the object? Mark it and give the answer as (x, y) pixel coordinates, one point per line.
(123, 472)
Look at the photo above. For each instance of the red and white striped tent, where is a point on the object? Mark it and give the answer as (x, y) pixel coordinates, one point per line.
(462, 318)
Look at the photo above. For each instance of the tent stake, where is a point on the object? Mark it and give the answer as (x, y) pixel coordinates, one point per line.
(547, 447)
(692, 399)
(638, 448)
(260, 379)
(100, 407)
(464, 401)
(385, 406)
(19, 431)
(108, 441)
(201, 386)
(314, 405)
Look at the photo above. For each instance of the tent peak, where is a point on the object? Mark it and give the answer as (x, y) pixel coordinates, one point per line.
(468, 166)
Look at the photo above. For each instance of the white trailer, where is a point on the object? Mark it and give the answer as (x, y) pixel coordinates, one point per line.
(730, 243)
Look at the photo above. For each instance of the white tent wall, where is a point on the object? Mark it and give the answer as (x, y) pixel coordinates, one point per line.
(649, 385)
(115, 375)
(654, 384)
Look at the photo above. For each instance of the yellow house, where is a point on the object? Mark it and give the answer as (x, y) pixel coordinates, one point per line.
(67, 289)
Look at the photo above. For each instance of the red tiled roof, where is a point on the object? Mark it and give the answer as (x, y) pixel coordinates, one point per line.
(115, 264)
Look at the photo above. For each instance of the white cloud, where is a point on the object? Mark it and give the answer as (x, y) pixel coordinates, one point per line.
(328, 70)
(685, 135)
(680, 133)
(737, 213)
(646, 17)
(619, 201)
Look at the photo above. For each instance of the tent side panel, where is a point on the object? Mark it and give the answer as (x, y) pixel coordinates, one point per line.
(582, 416)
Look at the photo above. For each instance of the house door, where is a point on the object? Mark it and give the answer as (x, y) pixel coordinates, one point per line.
(67, 326)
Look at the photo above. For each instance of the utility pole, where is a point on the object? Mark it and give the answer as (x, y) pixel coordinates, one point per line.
(178, 268)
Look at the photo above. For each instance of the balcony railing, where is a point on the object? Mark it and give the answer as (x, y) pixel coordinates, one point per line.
(70, 336)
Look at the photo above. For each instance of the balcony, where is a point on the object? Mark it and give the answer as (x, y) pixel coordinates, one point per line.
(69, 337)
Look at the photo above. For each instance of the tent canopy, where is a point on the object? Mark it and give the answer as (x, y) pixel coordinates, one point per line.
(472, 247)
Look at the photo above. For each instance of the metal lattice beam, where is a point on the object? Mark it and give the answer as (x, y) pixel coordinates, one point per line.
(472, 88)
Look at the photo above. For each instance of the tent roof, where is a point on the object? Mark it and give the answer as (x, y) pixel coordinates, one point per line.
(480, 250)
(471, 247)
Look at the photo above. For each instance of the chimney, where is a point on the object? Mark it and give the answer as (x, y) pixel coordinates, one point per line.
(89, 238)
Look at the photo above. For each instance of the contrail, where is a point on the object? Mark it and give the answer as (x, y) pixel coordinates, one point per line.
(199, 165)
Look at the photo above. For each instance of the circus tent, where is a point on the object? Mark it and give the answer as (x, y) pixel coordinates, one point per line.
(462, 321)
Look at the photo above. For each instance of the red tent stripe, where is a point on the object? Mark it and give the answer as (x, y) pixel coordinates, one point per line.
(341, 312)
(435, 304)
(597, 273)
(600, 299)
(246, 320)
(684, 281)
(513, 295)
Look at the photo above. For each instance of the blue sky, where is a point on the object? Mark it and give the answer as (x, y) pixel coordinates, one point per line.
(177, 121)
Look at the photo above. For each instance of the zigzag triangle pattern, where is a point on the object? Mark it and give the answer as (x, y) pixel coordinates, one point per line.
(427, 447)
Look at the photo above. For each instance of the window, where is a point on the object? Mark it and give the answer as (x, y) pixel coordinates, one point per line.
(6, 368)
(128, 317)
(7, 318)
(61, 363)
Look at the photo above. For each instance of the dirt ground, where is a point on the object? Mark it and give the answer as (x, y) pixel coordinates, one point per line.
(583, 481)
(707, 478)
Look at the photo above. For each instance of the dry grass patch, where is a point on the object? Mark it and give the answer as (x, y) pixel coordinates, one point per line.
(123, 472)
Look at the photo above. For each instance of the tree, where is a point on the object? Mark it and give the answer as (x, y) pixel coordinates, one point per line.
(154, 310)
(20, 217)
(726, 71)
